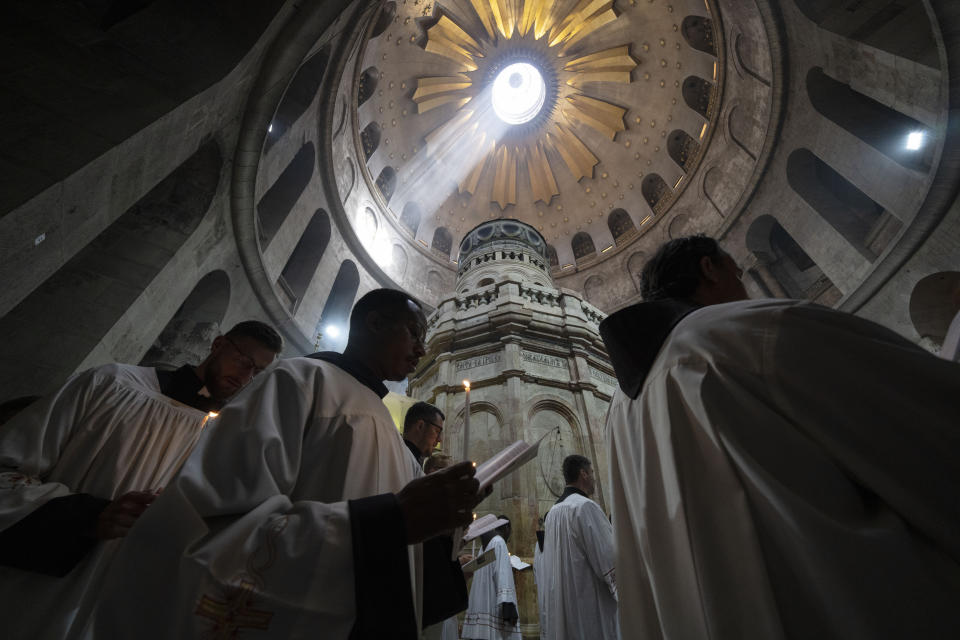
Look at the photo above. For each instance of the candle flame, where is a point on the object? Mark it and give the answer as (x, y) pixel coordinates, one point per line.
(212, 414)
(466, 384)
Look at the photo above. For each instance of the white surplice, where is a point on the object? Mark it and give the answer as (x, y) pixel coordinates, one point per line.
(107, 431)
(254, 534)
(492, 586)
(580, 598)
(788, 471)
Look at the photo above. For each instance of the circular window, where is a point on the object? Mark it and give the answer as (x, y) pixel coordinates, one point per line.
(518, 93)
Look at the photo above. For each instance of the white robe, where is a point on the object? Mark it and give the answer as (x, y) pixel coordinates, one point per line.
(254, 534)
(788, 471)
(107, 431)
(492, 586)
(580, 599)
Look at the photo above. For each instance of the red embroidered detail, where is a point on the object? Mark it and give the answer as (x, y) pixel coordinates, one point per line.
(14, 479)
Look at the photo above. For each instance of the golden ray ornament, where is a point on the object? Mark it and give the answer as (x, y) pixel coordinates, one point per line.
(550, 36)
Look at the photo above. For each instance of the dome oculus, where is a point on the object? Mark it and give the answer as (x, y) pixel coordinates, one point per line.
(518, 93)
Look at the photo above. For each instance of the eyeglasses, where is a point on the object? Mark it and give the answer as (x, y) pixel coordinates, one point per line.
(244, 359)
(436, 426)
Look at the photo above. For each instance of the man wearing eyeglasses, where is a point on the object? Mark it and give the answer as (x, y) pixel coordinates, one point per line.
(79, 467)
(235, 357)
(422, 429)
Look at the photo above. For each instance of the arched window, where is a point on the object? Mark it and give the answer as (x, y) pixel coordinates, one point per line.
(186, 338)
(83, 299)
(387, 182)
(278, 201)
(698, 32)
(655, 191)
(387, 12)
(552, 256)
(620, 223)
(698, 94)
(934, 303)
(582, 245)
(898, 136)
(370, 139)
(299, 95)
(335, 319)
(486, 282)
(683, 149)
(847, 209)
(303, 262)
(783, 267)
(901, 28)
(368, 84)
(410, 218)
(442, 241)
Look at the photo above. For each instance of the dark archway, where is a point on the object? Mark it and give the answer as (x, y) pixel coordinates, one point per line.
(683, 149)
(847, 209)
(303, 262)
(698, 32)
(781, 259)
(387, 182)
(620, 223)
(582, 245)
(368, 84)
(442, 241)
(656, 192)
(370, 139)
(279, 200)
(336, 309)
(886, 130)
(187, 337)
(698, 94)
(299, 95)
(410, 217)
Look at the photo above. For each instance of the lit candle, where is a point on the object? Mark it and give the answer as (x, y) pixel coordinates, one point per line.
(466, 421)
(212, 414)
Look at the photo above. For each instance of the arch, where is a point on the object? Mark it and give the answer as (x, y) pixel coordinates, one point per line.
(101, 282)
(434, 281)
(368, 223)
(370, 139)
(746, 51)
(847, 209)
(876, 124)
(279, 200)
(698, 94)
(399, 260)
(306, 256)
(299, 95)
(336, 309)
(635, 266)
(410, 217)
(552, 256)
(934, 302)
(387, 182)
(698, 32)
(593, 289)
(486, 282)
(742, 129)
(620, 223)
(582, 245)
(368, 84)
(549, 414)
(683, 149)
(782, 259)
(656, 192)
(901, 28)
(384, 19)
(186, 338)
(442, 241)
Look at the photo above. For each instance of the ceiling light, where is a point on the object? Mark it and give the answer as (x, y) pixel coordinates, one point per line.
(915, 140)
(333, 331)
(518, 93)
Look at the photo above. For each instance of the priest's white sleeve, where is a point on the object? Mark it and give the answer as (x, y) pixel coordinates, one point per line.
(596, 532)
(256, 533)
(43, 523)
(506, 589)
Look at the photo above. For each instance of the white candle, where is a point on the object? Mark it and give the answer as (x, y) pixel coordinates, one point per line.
(466, 421)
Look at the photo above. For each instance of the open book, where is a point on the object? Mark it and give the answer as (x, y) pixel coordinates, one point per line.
(507, 461)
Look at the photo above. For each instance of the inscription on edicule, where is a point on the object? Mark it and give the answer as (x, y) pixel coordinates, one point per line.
(478, 361)
(542, 358)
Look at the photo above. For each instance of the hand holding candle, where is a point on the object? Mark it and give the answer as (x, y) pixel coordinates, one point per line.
(466, 421)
